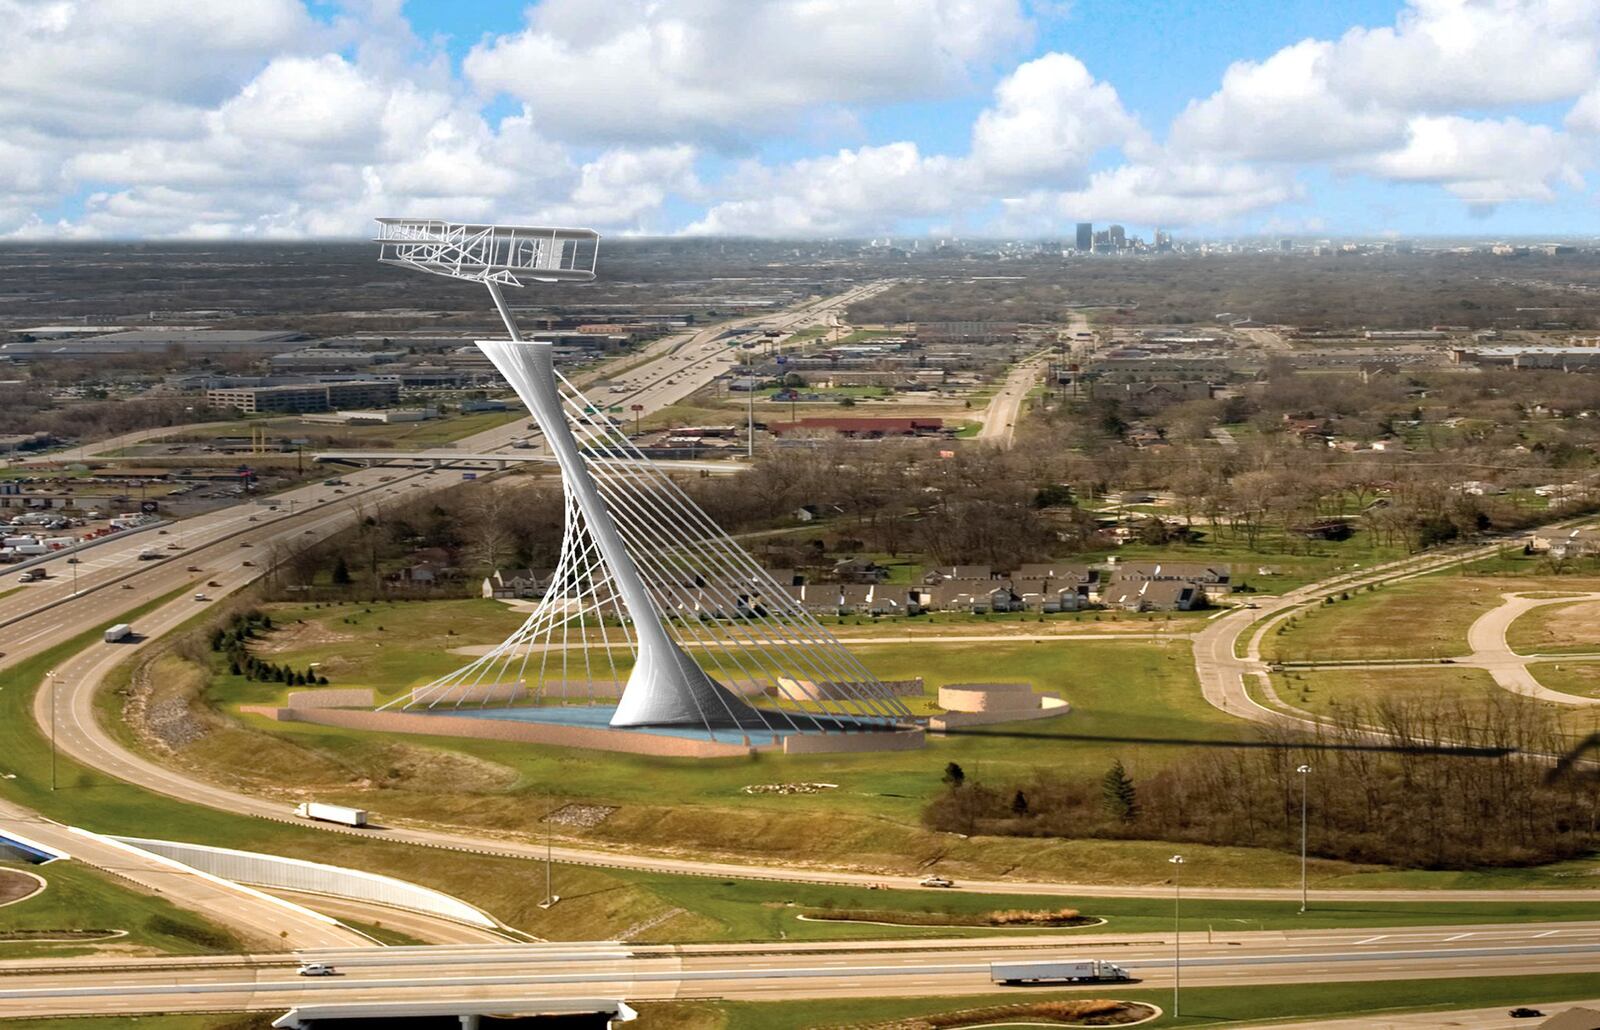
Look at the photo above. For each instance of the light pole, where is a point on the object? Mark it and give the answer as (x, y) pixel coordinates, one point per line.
(51, 675)
(1177, 949)
(1304, 771)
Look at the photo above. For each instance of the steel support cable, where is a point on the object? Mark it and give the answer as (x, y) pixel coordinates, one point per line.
(867, 683)
(865, 707)
(664, 582)
(620, 498)
(623, 503)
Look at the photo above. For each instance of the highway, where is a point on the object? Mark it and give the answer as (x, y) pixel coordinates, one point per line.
(863, 969)
(229, 549)
(217, 554)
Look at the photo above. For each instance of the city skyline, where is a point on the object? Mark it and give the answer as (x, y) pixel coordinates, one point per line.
(974, 118)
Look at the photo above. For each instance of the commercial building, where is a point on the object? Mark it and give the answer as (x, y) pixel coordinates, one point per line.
(369, 393)
(156, 341)
(1085, 237)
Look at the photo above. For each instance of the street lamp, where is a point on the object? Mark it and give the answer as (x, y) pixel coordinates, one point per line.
(1304, 771)
(1177, 952)
(51, 676)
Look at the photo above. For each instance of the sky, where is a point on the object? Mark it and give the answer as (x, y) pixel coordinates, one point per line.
(281, 119)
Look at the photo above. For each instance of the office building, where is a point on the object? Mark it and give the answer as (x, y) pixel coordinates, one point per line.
(1085, 237)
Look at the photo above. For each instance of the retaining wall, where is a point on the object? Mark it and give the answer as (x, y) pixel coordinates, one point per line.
(507, 729)
(296, 874)
(988, 697)
(334, 697)
(1050, 707)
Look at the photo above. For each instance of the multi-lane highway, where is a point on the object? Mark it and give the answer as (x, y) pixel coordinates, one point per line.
(229, 548)
(210, 556)
(754, 972)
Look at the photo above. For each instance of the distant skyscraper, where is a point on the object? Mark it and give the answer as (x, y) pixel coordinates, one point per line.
(1286, 245)
(1085, 236)
(1119, 237)
(1163, 240)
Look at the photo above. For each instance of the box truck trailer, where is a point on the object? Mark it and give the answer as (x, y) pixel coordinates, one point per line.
(331, 813)
(1070, 971)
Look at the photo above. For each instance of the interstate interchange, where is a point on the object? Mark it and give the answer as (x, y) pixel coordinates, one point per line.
(231, 549)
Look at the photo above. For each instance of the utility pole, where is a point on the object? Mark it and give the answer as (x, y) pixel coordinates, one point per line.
(1303, 770)
(1177, 952)
(549, 895)
(750, 419)
(51, 675)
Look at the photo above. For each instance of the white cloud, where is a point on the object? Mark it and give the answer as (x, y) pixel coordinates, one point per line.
(85, 68)
(1446, 54)
(723, 70)
(853, 191)
(1585, 114)
(1319, 99)
(1284, 109)
(1049, 119)
(1484, 161)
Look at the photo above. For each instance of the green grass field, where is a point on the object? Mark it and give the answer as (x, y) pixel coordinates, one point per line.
(1557, 629)
(1202, 1006)
(79, 898)
(1329, 691)
(1427, 617)
(1578, 678)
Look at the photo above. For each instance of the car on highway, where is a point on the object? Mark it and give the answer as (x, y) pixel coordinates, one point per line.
(316, 969)
(201, 597)
(1523, 1012)
(74, 561)
(253, 519)
(935, 881)
(245, 543)
(194, 568)
(247, 564)
(212, 583)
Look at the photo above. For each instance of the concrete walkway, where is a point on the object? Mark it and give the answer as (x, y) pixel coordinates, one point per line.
(1491, 652)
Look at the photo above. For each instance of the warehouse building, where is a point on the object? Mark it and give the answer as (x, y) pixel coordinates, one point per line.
(297, 399)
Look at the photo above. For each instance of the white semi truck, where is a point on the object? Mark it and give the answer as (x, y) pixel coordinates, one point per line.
(1070, 971)
(118, 633)
(331, 813)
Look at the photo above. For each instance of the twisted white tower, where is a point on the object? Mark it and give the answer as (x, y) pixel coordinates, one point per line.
(637, 554)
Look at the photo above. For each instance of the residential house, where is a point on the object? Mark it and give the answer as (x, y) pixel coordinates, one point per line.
(859, 570)
(1571, 543)
(1153, 595)
(517, 583)
(1213, 578)
(939, 573)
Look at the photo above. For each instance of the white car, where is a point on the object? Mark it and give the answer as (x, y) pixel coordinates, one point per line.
(936, 881)
(316, 969)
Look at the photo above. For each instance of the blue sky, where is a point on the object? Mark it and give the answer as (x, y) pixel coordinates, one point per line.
(818, 118)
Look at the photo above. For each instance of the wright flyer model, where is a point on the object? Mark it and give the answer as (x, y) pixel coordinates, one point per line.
(654, 619)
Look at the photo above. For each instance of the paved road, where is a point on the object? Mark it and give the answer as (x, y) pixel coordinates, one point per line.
(227, 549)
(81, 736)
(1491, 650)
(861, 969)
(1005, 407)
(1224, 673)
(257, 919)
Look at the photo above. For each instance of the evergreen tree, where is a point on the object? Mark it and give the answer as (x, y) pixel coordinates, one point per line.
(233, 669)
(954, 775)
(341, 573)
(1019, 803)
(1118, 794)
